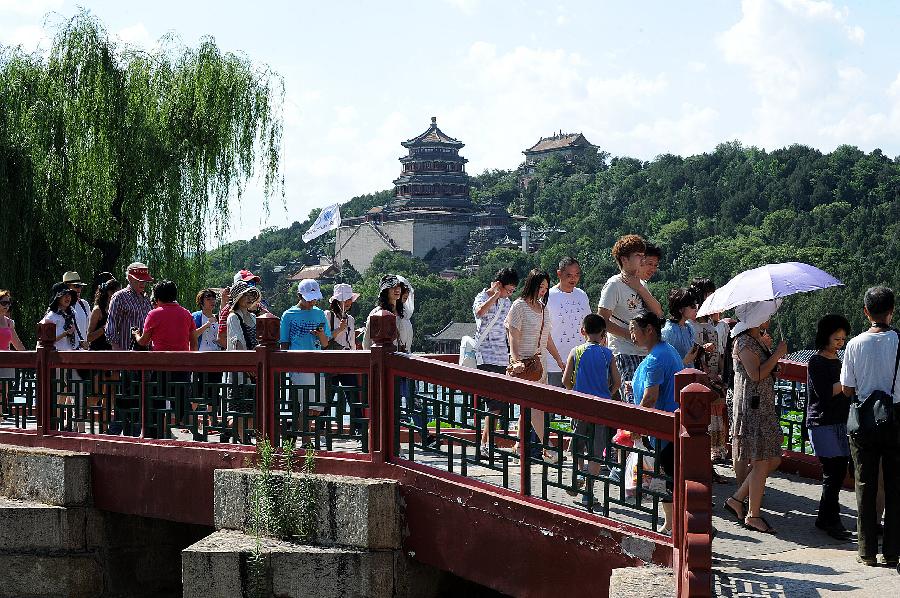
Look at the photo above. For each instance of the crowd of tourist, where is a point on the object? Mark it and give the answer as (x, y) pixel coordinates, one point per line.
(629, 349)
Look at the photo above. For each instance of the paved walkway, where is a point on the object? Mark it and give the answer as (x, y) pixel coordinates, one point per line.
(800, 560)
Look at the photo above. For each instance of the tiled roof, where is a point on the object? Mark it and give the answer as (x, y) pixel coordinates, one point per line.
(454, 331)
(804, 355)
(433, 135)
(315, 272)
(560, 141)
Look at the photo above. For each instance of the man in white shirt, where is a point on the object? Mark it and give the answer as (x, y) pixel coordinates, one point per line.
(566, 307)
(81, 308)
(870, 364)
(625, 296)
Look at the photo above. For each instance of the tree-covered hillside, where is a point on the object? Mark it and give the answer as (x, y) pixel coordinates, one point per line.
(714, 214)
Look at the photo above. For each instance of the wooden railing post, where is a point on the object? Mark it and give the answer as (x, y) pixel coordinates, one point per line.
(268, 329)
(46, 345)
(682, 379)
(383, 330)
(693, 537)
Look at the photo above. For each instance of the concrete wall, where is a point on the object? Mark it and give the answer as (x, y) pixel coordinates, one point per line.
(437, 236)
(359, 244)
(362, 246)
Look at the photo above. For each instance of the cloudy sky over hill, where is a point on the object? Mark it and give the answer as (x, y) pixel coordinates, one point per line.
(663, 78)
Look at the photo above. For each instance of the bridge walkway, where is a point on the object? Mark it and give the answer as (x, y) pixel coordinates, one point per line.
(800, 561)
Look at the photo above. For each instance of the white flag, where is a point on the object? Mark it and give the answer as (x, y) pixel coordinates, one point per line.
(329, 219)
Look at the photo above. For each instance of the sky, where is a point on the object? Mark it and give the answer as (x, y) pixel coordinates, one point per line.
(637, 79)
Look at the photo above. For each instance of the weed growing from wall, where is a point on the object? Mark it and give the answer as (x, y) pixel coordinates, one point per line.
(283, 506)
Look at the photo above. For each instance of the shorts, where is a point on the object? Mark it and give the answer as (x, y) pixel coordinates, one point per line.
(555, 379)
(627, 364)
(493, 405)
(594, 445)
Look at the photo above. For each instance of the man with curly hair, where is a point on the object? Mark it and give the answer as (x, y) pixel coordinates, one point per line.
(625, 296)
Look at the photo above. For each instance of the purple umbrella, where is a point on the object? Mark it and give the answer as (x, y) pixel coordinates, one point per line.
(772, 281)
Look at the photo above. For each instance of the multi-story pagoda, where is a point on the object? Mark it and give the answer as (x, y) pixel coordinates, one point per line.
(433, 175)
(430, 216)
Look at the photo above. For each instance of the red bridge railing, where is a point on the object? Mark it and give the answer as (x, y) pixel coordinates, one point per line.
(468, 482)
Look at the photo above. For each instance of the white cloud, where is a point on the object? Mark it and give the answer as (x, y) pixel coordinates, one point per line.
(30, 37)
(29, 8)
(137, 35)
(467, 7)
(793, 52)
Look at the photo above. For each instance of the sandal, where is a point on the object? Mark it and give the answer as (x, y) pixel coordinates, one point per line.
(738, 517)
(768, 529)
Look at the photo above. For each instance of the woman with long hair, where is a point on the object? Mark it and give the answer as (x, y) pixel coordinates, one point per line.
(528, 327)
(756, 431)
(391, 298)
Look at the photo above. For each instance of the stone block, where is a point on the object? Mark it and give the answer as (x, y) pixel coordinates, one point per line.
(217, 567)
(349, 511)
(642, 582)
(32, 526)
(61, 478)
(41, 576)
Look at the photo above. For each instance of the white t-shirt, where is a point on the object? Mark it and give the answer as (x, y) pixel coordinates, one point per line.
(65, 343)
(869, 363)
(624, 303)
(566, 311)
(82, 311)
(207, 340)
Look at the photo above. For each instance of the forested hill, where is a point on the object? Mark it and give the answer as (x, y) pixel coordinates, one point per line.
(714, 214)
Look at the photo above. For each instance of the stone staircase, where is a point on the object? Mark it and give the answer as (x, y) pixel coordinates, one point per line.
(354, 550)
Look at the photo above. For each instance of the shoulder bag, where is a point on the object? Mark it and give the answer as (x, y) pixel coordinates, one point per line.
(874, 413)
(468, 346)
(333, 345)
(530, 368)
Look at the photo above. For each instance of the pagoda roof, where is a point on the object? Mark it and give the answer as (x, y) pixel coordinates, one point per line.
(433, 136)
(559, 142)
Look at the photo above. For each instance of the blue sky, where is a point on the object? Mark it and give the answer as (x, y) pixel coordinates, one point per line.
(637, 79)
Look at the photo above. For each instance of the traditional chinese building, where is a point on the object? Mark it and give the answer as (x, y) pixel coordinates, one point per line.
(563, 145)
(431, 210)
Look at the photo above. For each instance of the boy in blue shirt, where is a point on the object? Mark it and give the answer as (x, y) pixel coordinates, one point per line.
(304, 327)
(591, 369)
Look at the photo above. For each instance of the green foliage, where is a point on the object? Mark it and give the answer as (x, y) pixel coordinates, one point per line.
(714, 215)
(109, 153)
(283, 506)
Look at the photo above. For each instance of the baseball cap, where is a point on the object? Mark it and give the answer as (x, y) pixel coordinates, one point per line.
(246, 276)
(139, 271)
(72, 277)
(309, 290)
(343, 291)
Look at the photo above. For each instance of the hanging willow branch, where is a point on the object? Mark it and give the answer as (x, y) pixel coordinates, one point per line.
(110, 153)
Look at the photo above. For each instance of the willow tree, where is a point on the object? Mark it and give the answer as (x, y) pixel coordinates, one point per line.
(110, 153)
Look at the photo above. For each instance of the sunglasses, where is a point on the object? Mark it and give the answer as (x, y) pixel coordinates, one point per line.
(6, 303)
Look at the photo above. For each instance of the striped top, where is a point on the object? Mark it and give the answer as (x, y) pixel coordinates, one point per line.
(127, 310)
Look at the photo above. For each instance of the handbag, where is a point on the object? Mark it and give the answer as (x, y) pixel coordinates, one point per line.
(468, 346)
(530, 368)
(874, 413)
